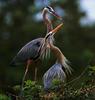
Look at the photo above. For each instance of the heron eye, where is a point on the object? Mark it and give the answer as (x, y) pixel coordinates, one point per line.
(50, 9)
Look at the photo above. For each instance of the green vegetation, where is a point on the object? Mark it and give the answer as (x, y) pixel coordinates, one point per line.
(77, 89)
(4, 97)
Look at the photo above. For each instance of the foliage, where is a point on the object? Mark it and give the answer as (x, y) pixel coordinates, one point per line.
(31, 90)
(59, 90)
(4, 97)
(93, 68)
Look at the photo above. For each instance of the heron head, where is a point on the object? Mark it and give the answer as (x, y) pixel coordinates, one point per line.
(50, 35)
(51, 10)
(48, 39)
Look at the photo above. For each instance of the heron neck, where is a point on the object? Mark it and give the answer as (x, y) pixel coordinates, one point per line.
(47, 21)
(58, 54)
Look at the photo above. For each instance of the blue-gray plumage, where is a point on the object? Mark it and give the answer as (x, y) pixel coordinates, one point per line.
(30, 51)
(54, 72)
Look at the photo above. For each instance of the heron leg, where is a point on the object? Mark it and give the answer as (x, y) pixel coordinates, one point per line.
(27, 67)
(35, 77)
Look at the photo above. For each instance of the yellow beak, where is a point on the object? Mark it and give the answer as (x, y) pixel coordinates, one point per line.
(56, 29)
(51, 33)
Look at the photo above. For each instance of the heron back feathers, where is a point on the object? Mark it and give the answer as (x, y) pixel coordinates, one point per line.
(55, 72)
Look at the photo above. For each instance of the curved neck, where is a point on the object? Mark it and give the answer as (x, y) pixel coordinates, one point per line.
(47, 21)
(57, 52)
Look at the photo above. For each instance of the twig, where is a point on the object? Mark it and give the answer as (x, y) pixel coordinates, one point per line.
(12, 94)
(78, 76)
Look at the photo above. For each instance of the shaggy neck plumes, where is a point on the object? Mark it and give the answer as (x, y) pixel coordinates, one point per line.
(58, 54)
(61, 59)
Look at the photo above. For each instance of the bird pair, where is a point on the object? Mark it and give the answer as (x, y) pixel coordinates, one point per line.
(38, 48)
(61, 66)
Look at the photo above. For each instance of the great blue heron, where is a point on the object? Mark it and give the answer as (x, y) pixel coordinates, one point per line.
(56, 71)
(31, 52)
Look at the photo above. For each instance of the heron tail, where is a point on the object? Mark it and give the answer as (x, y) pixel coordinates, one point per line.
(12, 63)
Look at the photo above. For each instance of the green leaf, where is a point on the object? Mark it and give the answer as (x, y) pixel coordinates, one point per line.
(93, 68)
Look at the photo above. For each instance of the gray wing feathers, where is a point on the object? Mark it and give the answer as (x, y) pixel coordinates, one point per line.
(29, 51)
(55, 72)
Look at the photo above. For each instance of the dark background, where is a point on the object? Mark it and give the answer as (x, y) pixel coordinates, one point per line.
(19, 25)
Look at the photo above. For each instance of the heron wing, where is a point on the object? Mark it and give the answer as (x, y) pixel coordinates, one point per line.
(29, 51)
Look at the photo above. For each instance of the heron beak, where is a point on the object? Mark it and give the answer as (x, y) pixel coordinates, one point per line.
(51, 33)
(56, 29)
(56, 15)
